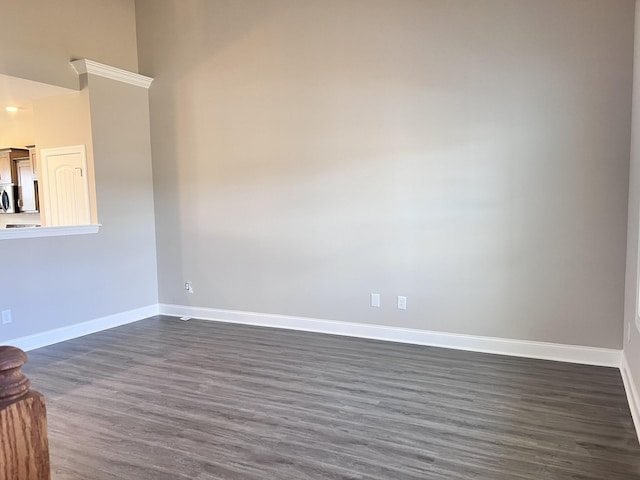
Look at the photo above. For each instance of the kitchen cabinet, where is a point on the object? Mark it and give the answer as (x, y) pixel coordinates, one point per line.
(34, 165)
(8, 172)
(16, 167)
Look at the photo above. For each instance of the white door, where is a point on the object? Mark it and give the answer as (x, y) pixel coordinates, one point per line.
(65, 187)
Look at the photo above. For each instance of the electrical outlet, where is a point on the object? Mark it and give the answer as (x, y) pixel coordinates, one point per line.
(375, 300)
(402, 302)
(6, 317)
(188, 286)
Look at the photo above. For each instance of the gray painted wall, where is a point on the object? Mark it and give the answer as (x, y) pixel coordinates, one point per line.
(55, 282)
(632, 342)
(39, 37)
(472, 156)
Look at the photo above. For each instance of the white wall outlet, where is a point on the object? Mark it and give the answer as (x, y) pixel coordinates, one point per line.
(188, 286)
(402, 302)
(6, 317)
(375, 300)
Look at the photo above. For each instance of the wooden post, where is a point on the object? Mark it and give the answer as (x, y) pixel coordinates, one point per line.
(24, 449)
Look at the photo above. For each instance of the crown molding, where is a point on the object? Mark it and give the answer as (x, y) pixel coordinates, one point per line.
(85, 65)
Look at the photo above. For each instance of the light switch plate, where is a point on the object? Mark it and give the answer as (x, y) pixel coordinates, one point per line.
(402, 302)
(375, 300)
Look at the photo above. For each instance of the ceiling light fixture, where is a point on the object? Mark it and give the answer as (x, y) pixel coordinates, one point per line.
(11, 109)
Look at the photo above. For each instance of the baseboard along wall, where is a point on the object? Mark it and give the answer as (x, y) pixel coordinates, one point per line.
(50, 337)
(519, 348)
(501, 346)
(633, 395)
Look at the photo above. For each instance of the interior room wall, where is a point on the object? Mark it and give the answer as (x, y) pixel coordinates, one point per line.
(472, 156)
(124, 190)
(632, 324)
(65, 120)
(39, 37)
(16, 128)
(60, 281)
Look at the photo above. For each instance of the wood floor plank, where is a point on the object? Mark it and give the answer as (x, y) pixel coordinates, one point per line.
(164, 399)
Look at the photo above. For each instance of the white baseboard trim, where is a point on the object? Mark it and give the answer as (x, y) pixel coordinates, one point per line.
(518, 348)
(633, 395)
(31, 342)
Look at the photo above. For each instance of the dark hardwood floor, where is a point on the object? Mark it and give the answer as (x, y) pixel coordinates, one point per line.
(165, 399)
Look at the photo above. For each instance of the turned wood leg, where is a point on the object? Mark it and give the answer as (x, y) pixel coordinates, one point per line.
(24, 448)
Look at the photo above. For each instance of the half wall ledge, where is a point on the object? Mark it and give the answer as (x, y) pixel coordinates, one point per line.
(37, 232)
